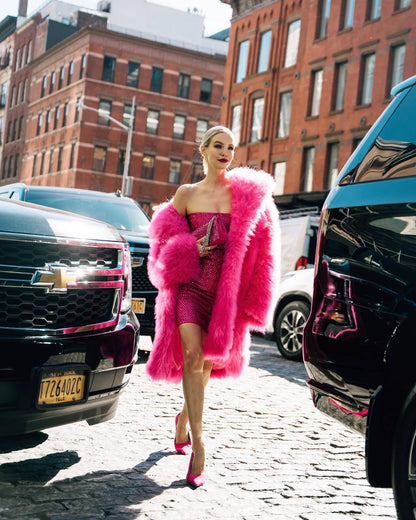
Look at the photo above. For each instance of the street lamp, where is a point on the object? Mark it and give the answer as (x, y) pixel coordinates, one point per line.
(127, 181)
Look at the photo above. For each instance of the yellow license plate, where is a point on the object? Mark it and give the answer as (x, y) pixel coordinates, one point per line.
(138, 305)
(61, 387)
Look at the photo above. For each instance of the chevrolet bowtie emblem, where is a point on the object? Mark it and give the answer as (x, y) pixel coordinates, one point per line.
(54, 279)
(137, 261)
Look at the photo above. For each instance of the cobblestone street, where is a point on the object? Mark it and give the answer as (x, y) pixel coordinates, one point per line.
(270, 454)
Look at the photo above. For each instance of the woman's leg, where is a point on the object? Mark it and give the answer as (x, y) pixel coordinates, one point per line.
(196, 372)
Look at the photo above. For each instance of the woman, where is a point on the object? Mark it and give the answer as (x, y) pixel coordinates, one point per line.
(210, 296)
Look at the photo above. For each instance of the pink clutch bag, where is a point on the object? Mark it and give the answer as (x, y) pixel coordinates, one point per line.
(214, 232)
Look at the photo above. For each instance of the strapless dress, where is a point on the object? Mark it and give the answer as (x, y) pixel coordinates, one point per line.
(196, 298)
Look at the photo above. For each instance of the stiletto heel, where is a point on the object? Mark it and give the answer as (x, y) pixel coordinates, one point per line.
(182, 447)
(195, 480)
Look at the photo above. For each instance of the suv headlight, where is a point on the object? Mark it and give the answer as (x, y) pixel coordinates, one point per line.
(126, 303)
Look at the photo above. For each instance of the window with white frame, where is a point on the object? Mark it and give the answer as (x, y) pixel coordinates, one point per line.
(201, 128)
(236, 123)
(368, 65)
(242, 61)
(397, 64)
(309, 159)
(179, 127)
(152, 122)
(341, 80)
(174, 171)
(104, 112)
(265, 42)
(347, 14)
(324, 10)
(257, 120)
(292, 44)
(279, 173)
(374, 9)
(332, 173)
(317, 76)
(285, 110)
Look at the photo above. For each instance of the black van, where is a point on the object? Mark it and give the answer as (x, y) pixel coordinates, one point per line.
(359, 343)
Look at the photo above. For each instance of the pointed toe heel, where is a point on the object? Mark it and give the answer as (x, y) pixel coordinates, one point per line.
(196, 480)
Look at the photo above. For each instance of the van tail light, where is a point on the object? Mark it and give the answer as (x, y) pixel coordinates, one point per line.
(127, 293)
(301, 263)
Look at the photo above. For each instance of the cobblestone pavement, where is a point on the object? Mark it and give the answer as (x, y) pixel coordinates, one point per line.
(270, 454)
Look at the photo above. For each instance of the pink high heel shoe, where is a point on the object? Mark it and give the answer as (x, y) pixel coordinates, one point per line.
(194, 479)
(185, 447)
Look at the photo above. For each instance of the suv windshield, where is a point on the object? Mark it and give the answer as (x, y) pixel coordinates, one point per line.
(124, 214)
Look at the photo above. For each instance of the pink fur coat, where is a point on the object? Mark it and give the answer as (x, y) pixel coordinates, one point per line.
(246, 290)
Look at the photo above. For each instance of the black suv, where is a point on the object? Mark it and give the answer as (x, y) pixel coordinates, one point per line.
(68, 336)
(360, 339)
(123, 213)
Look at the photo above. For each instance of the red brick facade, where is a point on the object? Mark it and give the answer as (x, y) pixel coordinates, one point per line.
(346, 45)
(61, 141)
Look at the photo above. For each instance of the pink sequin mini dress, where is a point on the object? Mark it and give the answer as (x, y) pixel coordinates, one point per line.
(196, 298)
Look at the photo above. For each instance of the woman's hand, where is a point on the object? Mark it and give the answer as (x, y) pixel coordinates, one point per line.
(203, 251)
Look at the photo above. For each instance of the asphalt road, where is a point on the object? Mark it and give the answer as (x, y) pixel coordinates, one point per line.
(270, 455)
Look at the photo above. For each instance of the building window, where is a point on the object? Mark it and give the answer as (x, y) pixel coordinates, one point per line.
(152, 123)
(127, 114)
(77, 110)
(20, 132)
(65, 117)
(256, 120)
(184, 84)
(50, 160)
(242, 61)
(279, 174)
(104, 112)
(56, 120)
(316, 92)
(72, 157)
(35, 159)
(368, 64)
(206, 91)
(42, 162)
(60, 154)
(157, 79)
(39, 125)
(332, 173)
(347, 14)
(179, 127)
(24, 90)
(292, 44)
(17, 62)
(109, 67)
(340, 82)
(43, 88)
(201, 128)
(174, 171)
(373, 9)
(266, 39)
(397, 64)
(12, 98)
(16, 165)
(23, 60)
(148, 166)
(3, 94)
(52, 82)
(197, 173)
(47, 120)
(15, 129)
(324, 9)
(236, 123)
(9, 132)
(19, 92)
(1, 129)
(61, 77)
(99, 158)
(121, 161)
(70, 72)
(285, 110)
(309, 158)
(401, 4)
(83, 66)
(29, 51)
(133, 70)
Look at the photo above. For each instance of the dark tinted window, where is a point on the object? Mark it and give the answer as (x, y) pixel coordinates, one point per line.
(124, 214)
(393, 153)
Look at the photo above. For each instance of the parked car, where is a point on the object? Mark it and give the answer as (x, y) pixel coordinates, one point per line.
(68, 336)
(123, 213)
(292, 311)
(359, 341)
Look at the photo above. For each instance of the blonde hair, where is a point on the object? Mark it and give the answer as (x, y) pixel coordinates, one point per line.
(209, 134)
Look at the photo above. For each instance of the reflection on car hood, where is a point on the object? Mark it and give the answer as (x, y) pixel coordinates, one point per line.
(136, 238)
(25, 218)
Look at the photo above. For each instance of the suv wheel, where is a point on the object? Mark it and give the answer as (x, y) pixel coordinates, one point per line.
(404, 459)
(288, 329)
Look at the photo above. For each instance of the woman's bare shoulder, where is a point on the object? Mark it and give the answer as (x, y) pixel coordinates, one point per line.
(182, 197)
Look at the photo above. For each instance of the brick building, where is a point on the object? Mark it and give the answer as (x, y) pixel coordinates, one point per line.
(177, 91)
(306, 79)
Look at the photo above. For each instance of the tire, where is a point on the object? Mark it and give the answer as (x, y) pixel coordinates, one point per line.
(404, 460)
(288, 329)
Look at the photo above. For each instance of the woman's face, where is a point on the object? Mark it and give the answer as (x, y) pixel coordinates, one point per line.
(220, 151)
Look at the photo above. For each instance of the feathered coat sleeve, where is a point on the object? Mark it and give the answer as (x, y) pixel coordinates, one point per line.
(173, 256)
